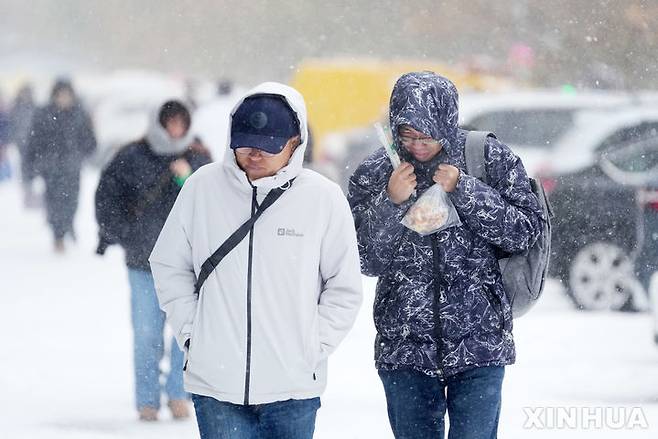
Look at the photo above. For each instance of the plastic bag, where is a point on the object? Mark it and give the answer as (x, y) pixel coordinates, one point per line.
(432, 212)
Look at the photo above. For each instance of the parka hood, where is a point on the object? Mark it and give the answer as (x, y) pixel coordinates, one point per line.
(429, 104)
(159, 140)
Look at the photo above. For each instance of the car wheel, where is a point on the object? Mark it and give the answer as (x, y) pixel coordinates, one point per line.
(601, 277)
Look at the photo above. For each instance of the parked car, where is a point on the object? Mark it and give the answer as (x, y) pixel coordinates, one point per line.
(597, 234)
(600, 228)
(594, 132)
(534, 124)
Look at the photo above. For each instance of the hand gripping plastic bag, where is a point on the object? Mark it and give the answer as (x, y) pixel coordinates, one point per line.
(432, 212)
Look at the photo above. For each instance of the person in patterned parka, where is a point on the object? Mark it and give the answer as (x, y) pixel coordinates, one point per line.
(442, 317)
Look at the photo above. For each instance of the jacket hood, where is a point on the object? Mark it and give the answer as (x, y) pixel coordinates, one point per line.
(294, 166)
(429, 104)
(160, 141)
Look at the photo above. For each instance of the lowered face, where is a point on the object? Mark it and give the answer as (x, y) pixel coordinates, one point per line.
(421, 146)
(176, 127)
(257, 163)
(64, 99)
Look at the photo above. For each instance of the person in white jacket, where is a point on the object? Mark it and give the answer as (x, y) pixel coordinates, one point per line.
(257, 336)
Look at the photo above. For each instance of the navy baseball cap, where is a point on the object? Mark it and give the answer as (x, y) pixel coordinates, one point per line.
(264, 122)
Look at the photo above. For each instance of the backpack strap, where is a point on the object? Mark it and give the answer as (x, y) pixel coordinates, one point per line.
(236, 237)
(475, 167)
(474, 153)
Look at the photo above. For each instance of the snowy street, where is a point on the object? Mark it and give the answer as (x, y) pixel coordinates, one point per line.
(66, 362)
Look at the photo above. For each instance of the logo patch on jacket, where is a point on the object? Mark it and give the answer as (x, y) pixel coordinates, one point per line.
(281, 231)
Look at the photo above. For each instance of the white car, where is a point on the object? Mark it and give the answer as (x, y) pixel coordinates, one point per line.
(594, 132)
(535, 123)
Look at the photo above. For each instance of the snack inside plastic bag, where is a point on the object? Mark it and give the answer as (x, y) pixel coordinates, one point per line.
(432, 212)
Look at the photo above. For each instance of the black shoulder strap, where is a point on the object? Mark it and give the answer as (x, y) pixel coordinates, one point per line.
(474, 153)
(232, 241)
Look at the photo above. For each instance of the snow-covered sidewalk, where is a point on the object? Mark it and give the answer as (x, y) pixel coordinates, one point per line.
(65, 362)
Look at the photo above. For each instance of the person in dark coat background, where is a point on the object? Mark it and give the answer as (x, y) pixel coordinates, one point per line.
(5, 166)
(136, 191)
(61, 138)
(20, 124)
(444, 324)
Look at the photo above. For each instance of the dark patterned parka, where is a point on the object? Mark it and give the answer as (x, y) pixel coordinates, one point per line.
(440, 306)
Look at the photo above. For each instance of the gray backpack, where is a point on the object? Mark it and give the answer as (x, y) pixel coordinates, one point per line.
(523, 273)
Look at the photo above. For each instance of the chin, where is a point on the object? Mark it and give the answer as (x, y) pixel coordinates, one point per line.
(256, 175)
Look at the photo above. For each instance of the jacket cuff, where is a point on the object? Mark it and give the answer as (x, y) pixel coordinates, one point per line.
(388, 214)
(385, 208)
(459, 195)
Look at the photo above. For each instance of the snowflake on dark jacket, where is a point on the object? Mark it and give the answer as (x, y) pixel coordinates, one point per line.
(440, 306)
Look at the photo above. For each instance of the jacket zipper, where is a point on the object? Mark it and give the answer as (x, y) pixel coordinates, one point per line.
(437, 317)
(247, 375)
(187, 360)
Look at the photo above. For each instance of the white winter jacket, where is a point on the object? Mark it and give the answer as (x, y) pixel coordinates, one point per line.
(282, 300)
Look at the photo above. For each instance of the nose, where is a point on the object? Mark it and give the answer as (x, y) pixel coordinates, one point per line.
(416, 144)
(255, 154)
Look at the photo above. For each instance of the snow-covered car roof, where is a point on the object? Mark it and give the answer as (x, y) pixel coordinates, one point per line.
(475, 104)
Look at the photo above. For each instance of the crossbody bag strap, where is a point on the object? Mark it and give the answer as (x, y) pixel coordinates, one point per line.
(236, 237)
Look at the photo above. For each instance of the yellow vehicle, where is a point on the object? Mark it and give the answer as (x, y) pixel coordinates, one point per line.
(345, 94)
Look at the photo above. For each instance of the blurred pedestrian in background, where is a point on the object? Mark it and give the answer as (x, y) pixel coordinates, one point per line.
(20, 123)
(61, 138)
(5, 167)
(134, 196)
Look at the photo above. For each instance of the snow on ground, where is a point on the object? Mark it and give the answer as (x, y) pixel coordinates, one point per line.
(66, 362)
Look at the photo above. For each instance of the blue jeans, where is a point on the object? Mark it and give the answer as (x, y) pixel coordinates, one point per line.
(417, 403)
(148, 329)
(291, 419)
